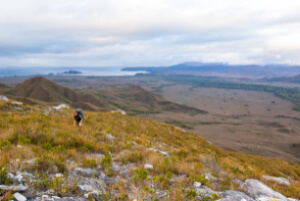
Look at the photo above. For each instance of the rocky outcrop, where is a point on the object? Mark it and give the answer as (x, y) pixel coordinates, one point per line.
(235, 196)
(257, 189)
(279, 180)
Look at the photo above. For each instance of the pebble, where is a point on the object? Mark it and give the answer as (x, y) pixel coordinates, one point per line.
(109, 136)
(197, 184)
(148, 166)
(19, 197)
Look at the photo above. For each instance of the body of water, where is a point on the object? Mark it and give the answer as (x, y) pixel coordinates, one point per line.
(86, 71)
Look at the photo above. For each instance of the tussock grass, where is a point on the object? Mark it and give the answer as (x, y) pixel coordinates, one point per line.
(53, 140)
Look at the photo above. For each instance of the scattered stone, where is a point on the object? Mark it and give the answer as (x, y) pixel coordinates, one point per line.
(21, 177)
(96, 197)
(204, 191)
(162, 195)
(19, 197)
(17, 103)
(86, 172)
(10, 175)
(161, 143)
(235, 195)
(86, 188)
(109, 136)
(197, 184)
(59, 175)
(268, 199)
(115, 167)
(70, 199)
(209, 176)
(279, 180)
(148, 166)
(164, 153)
(3, 98)
(60, 107)
(257, 189)
(19, 188)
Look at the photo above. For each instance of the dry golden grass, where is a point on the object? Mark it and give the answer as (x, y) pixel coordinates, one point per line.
(53, 140)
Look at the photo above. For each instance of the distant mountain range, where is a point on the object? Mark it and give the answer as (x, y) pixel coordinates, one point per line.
(198, 68)
(132, 99)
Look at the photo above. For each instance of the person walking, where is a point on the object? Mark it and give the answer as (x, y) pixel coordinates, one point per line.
(78, 117)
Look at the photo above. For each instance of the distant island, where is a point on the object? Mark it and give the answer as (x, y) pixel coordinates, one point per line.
(72, 72)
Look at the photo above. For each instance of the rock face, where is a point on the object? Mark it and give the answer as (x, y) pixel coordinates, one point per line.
(3, 98)
(19, 197)
(279, 180)
(20, 188)
(257, 189)
(235, 196)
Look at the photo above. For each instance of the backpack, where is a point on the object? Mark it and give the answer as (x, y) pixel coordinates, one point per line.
(80, 112)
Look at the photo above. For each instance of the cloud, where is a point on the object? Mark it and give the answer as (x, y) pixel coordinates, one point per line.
(145, 33)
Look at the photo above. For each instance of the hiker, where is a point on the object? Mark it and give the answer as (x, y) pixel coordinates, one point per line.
(78, 118)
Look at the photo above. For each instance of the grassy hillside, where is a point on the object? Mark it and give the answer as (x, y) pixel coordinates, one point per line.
(41, 89)
(136, 100)
(57, 146)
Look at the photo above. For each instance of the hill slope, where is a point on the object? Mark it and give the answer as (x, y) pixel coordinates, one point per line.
(39, 88)
(110, 152)
(135, 98)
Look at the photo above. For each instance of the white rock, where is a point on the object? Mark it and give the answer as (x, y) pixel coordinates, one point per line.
(197, 184)
(164, 153)
(86, 188)
(268, 199)
(19, 197)
(4, 98)
(257, 189)
(10, 175)
(59, 175)
(231, 195)
(109, 136)
(279, 180)
(19, 188)
(148, 166)
(17, 103)
(60, 107)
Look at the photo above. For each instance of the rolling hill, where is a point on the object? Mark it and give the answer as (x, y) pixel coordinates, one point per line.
(41, 89)
(137, 99)
(133, 99)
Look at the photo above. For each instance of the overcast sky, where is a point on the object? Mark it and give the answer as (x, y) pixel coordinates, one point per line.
(148, 32)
